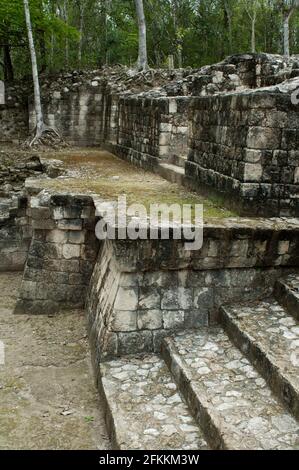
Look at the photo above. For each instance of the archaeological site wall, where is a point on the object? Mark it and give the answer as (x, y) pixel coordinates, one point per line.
(242, 144)
(137, 292)
(233, 122)
(15, 234)
(245, 146)
(14, 113)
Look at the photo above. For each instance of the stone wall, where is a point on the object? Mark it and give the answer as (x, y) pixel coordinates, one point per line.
(15, 234)
(14, 113)
(242, 142)
(61, 256)
(142, 291)
(136, 292)
(78, 116)
(155, 127)
(245, 146)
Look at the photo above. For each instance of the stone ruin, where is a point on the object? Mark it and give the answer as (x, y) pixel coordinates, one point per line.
(232, 126)
(231, 129)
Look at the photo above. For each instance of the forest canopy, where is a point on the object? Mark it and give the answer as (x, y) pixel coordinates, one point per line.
(77, 34)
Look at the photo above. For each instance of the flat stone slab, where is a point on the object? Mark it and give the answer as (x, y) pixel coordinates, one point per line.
(230, 393)
(144, 407)
(270, 337)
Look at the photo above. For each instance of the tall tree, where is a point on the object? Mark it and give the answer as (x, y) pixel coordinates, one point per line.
(37, 99)
(228, 16)
(142, 63)
(288, 8)
(251, 7)
(40, 125)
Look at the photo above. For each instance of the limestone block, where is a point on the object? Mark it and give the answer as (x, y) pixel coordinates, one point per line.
(40, 213)
(164, 138)
(179, 298)
(28, 290)
(44, 224)
(70, 224)
(124, 321)
(57, 236)
(213, 248)
(70, 251)
(239, 248)
(150, 320)
(197, 318)
(134, 343)
(253, 172)
(163, 150)
(252, 156)
(283, 247)
(203, 298)
(77, 237)
(149, 298)
(126, 299)
(173, 319)
(263, 138)
(58, 213)
(173, 106)
(165, 127)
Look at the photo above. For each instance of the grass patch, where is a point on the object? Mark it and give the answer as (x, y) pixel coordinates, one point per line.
(93, 171)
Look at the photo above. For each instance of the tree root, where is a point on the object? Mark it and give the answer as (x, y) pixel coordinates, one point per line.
(48, 137)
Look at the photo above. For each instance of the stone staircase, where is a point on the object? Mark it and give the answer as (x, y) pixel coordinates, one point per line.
(233, 386)
(173, 170)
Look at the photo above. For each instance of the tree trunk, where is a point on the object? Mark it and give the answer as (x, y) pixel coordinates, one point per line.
(81, 28)
(66, 19)
(286, 32)
(228, 20)
(37, 99)
(8, 67)
(253, 42)
(142, 63)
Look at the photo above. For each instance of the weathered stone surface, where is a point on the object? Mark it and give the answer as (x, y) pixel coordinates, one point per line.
(61, 255)
(228, 397)
(270, 338)
(143, 407)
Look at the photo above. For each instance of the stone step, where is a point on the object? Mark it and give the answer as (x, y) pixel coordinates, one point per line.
(230, 400)
(287, 294)
(172, 173)
(178, 160)
(144, 409)
(270, 339)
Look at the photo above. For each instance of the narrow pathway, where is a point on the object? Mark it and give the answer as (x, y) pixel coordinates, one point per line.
(47, 395)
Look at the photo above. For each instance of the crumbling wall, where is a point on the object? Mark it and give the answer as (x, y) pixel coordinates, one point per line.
(61, 256)
(15, 234)
(242, 138)
(245, 146)
(14, 113)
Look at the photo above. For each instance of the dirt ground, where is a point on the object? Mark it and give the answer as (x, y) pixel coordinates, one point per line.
(47, 395)
(94, 171)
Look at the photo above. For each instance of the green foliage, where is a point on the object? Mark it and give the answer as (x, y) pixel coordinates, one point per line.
(195, 32)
